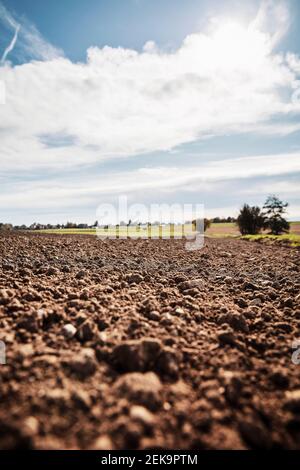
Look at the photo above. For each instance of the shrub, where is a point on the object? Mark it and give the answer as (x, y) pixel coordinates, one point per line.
(250, 220)
(274, 209)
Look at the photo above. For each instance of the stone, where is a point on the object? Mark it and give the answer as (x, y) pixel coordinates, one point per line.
(242, 303)
(249, 286)
(236, 320)
(5, 296)
(83, 364)
(134, 278)
(256, 302)
(140, 388)
(154, 316)
(179, 311)
(233, 386)
(190, 284)
(141, 414)
(68, 331)
(86, 331)
(227, 337)
(167, 363)
(57, 396)
(136, 355)
(288, 302)
(80, 274)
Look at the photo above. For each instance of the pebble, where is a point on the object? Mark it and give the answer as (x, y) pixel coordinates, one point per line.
(68, 330)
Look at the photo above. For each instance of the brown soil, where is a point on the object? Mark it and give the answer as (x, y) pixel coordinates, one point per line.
(142, 344)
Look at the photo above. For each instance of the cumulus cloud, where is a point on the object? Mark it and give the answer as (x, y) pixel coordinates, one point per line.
(122, 102)
(61, 117)
(273, 17)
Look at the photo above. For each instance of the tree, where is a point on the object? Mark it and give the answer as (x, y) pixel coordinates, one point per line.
(250, 220)
(70, 225)
(274, 209)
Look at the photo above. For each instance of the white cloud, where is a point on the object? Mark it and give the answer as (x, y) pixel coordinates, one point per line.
(95, 188)
(273, 17)
(285, 188)
(62, 116)
(122, 102)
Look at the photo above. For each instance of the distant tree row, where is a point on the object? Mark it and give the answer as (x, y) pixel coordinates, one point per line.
(37, 226)
(253, 220)
(223, 220)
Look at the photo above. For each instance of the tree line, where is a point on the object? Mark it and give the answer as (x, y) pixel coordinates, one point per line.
(251, 220)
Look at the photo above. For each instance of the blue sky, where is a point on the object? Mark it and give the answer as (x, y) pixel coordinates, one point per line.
(195, 101)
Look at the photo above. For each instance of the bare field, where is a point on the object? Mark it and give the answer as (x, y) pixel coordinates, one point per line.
(124, 344)
(221, 230)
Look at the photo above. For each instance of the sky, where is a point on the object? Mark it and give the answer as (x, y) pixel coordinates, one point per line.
(163, 101)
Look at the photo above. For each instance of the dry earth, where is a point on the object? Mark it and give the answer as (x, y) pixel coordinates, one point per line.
(142, 344)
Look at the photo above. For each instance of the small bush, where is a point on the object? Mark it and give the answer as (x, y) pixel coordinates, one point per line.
(250, 220)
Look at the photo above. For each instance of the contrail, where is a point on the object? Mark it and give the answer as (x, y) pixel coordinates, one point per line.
(11, 45)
